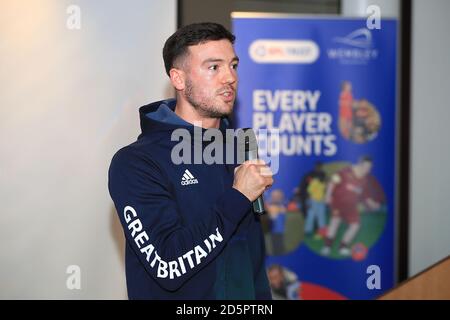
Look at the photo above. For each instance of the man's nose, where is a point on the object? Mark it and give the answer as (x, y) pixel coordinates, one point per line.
(230, 76)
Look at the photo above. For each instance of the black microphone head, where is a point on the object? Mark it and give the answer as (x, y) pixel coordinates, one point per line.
(247, 140)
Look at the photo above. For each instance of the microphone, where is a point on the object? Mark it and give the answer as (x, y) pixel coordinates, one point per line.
(251, 153)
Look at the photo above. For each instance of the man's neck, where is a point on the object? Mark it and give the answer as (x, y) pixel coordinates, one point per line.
(188, 113)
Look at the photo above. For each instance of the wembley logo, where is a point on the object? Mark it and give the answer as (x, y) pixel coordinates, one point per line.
(188, 178)
(356, 48)
(284, 51)
(361, 38)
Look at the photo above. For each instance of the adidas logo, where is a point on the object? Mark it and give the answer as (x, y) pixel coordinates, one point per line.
(188, 178)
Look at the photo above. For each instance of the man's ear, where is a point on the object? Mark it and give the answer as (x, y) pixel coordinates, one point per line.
(177, 77)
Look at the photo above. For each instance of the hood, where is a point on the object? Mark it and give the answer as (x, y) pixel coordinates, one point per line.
(160, 116)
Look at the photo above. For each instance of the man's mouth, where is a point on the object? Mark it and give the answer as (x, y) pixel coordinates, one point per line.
(227, 95)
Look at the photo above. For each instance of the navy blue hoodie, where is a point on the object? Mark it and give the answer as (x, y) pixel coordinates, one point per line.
(189, 234)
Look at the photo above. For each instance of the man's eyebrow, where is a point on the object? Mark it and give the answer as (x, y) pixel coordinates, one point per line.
(235, 59)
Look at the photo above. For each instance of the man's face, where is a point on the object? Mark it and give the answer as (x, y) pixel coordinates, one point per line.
(276, 278)
(364, 168)
(211, 78)
(277, 196)
(347, 86)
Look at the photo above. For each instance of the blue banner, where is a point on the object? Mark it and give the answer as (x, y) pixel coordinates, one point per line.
(328, 87)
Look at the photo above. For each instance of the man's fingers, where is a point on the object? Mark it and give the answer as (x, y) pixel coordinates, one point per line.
(257, 165)
(265, 171)
(269, 182)
(255, 161)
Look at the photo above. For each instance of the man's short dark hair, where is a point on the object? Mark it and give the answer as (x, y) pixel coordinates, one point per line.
(365, 158)
(275, 267)
(177, 44)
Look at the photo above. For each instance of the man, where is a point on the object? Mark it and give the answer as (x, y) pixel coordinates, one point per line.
(190, 231)
(360, 117)
(346, 190)
(316, 172)
(346, 109)
(284, 283)
(276, 211)
(316, 207)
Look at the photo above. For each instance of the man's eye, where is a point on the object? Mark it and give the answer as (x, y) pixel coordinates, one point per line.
(213, 67)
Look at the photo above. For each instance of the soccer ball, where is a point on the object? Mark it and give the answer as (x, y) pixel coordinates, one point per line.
(359, 251)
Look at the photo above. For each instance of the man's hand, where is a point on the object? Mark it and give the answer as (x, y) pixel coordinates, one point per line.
(251, 178)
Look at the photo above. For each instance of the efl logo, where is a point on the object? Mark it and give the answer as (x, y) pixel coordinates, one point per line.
(284, 51)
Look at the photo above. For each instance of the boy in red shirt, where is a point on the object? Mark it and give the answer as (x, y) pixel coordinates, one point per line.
(346, 190)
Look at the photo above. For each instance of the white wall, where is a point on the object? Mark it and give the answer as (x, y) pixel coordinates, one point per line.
(430, 148)
(358, 8)
(68, 101)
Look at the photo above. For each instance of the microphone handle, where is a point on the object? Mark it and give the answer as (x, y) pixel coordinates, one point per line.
(258, 204)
